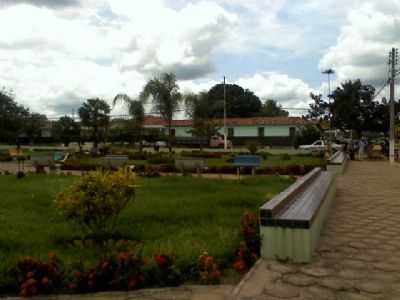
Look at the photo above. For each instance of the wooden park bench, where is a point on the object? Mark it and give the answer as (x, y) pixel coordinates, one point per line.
(249, 161)
(291, 222)
(109, 162)
(190, 164)
(60, 157)
(337, 163)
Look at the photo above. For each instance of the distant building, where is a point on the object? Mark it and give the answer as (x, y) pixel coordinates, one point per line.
(273, 131)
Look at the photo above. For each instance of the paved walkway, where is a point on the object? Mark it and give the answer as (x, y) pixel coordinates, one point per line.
(359, 252)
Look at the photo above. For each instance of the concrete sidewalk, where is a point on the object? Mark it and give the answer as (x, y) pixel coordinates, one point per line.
(359, 252)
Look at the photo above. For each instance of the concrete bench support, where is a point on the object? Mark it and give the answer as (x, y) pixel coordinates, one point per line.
(292, 221)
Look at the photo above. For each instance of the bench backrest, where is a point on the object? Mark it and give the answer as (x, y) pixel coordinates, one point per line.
(247, 161)
(60, 156)
(190, 163)
(114, 161)
(278, 203)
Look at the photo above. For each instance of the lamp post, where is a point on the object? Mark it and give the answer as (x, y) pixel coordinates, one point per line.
(225, 133)
(329, 72)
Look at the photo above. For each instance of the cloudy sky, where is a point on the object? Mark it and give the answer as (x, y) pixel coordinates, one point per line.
(56, 53)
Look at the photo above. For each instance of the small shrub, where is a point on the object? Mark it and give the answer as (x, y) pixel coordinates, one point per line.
(208, 269)
(151, 171)
(285, 156)
(37, 277)
(124, 271)
(249, 249)
(167, 273)
(253, 148)
(96, 200)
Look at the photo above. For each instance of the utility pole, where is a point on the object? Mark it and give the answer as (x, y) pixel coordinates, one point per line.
(393, 60)
(225, 133)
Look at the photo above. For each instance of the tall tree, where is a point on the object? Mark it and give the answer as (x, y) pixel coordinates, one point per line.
(272, 109)
(136, 111)
(34, 124)
(94, 114)
(66, 130)
(198, 111)
(166, 98)
(239, 102)
(353, 107)
(12, 117)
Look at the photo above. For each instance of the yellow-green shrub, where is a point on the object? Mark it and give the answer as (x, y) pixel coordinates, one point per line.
(96, 200)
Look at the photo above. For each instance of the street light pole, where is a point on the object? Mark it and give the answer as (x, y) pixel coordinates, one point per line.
(393, 62)
(225, 133)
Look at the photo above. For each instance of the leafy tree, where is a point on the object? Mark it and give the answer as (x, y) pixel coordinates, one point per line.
(12, 117)
(307, 135)
(353, 108)
(197, 109)
(166, 97)
(136, 111)
(94, 114)
(239, 102)
(272, 109)
(33, 126)
(66, 130)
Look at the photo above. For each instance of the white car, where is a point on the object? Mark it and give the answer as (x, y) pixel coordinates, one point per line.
(320, 145)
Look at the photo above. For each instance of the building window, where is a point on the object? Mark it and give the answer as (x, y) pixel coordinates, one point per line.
(261, 131)
(231, 132)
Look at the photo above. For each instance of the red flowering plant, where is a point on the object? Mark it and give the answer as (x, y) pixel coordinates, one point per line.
(249, 249)
(167, 272)
(124, 271)
(208, 269)
(251, 232)
(37, 277)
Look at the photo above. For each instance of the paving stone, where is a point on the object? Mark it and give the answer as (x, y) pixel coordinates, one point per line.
(281, 268)
(298, 279)
(353, 296)
(387, 267)
(316, 272)
(335, 283)
(372, 287)
(282, 291)
(321, 293)
(355, 264)
(352, 274)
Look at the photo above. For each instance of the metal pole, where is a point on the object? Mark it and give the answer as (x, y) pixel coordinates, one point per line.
(225, 133)
(391, 130)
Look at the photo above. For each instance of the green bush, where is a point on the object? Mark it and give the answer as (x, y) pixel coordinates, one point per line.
(202, 154)
(285, 156)
(96, 200)
(253, 148)
(5, 156)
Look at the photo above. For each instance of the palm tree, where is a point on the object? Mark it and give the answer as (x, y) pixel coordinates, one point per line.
(166, 97)
(136, 111)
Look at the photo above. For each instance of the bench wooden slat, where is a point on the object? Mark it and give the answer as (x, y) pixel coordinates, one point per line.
(302, 211)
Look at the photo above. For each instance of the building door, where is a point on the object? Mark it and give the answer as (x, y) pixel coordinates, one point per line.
(231, 132)
(173, 132)
(261, 132)
(292, 131)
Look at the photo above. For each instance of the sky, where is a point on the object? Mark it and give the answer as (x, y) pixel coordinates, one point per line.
(54, 54)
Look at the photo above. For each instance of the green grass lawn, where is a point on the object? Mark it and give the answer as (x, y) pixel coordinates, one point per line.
(182, 216)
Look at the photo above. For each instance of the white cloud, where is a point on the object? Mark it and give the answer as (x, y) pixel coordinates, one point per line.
(290, 92)
(361, 50)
